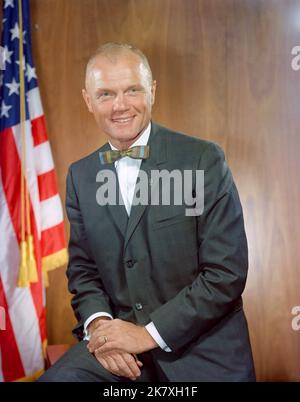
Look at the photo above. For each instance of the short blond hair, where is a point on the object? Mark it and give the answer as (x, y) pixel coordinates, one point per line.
(113, 49)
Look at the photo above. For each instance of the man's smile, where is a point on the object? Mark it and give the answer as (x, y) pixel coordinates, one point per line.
(123, 120)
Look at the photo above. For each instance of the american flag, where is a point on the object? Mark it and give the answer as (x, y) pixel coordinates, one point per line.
(32, 238)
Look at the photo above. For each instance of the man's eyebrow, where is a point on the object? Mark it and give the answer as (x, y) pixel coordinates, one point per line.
(139, 86)
(104, 90)
(126, 89)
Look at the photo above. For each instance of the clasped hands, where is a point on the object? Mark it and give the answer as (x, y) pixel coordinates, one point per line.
(116, 344)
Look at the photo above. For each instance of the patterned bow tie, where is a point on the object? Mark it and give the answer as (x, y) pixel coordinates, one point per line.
(138, 152)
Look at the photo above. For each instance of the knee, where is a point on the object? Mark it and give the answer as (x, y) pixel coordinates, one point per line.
(61, 374)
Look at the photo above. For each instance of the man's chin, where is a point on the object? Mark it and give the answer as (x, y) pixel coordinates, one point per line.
(124, 136)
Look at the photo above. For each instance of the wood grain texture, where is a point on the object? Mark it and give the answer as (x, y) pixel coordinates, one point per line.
(224, 73)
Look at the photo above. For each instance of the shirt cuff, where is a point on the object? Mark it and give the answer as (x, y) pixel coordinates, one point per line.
(89, 320)
(158, 339)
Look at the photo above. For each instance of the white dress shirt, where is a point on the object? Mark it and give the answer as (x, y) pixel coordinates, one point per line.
(127, 170)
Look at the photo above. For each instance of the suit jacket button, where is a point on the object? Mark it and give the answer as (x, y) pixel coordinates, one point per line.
(129, 263)
(138, 306)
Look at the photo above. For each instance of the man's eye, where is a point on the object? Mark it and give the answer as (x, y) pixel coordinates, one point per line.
(104, 95)
(132, 90)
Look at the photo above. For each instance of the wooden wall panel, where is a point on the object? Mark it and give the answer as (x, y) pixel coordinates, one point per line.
(224, 73)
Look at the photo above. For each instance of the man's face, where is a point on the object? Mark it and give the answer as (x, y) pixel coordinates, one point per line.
(120, 96)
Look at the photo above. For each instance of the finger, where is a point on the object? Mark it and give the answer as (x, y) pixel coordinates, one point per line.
(138, 362)
(106, 365)
(132, 364)
(102, 361)
(112, 366)
(110, 346)
(126, 366)
(97, 338)
(97, 342)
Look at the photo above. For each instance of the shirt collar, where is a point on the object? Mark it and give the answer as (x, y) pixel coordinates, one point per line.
(142, 140)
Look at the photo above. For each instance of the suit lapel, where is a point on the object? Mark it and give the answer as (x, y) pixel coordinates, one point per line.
(117, 212)
(158, 156)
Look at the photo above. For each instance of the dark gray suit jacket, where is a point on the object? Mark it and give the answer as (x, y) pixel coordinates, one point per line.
(186, 274)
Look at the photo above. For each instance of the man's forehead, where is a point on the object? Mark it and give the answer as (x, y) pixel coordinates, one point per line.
(115, 76)
(122, 60)
(104, 70)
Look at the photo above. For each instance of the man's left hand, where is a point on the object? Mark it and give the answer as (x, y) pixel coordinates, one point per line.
(121, 335)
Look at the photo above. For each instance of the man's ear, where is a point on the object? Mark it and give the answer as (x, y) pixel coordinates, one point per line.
(153, 90)
(87, 100)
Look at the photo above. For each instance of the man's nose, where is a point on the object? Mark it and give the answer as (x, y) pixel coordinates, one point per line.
(120, 103)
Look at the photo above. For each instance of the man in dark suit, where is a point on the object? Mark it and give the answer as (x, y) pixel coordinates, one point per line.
(157, 288)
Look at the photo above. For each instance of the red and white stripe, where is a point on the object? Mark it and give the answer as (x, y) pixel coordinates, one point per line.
(21, 352)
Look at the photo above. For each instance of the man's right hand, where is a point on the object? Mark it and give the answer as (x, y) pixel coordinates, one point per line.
(116, 361)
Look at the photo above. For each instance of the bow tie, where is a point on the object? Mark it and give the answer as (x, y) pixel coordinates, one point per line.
(138, 152)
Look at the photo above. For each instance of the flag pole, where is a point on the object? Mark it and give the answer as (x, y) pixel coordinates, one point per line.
(28, 271)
